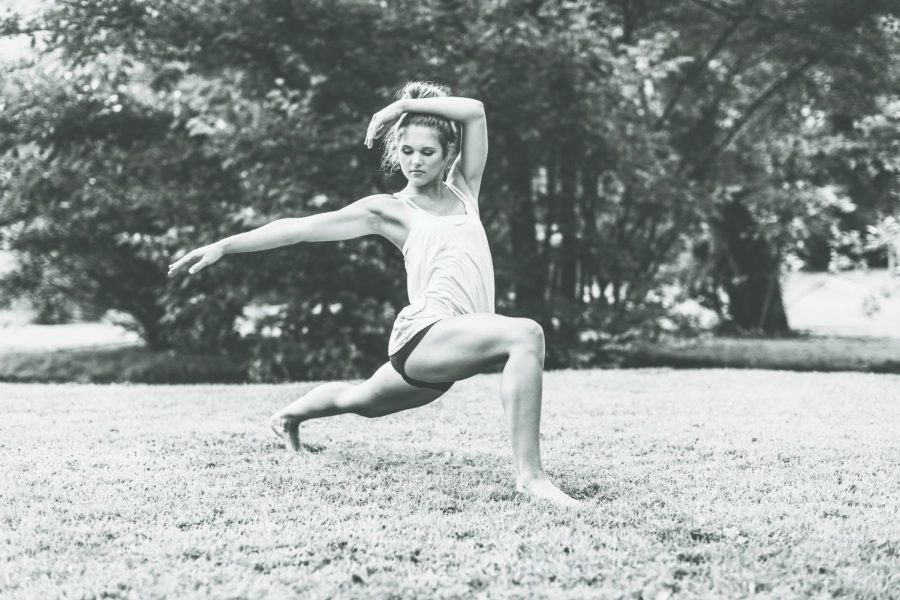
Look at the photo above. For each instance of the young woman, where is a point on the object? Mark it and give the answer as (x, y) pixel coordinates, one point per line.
(449, 330)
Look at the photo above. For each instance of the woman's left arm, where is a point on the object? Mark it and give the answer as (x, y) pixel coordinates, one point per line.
(467, 112)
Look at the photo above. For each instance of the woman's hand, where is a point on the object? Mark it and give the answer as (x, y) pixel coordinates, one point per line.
(383, 120)
(207, 255)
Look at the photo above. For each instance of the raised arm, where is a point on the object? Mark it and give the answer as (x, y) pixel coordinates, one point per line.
(467, 112)
(363, 217)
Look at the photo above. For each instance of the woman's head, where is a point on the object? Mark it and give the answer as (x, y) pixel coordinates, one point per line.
(420, 140)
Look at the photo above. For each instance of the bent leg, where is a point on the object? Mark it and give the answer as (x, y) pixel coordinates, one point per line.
(384, 393)
(460, 347)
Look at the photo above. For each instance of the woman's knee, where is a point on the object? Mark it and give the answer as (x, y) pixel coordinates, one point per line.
(527, 334)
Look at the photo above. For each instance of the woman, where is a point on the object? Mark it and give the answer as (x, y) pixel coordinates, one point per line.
(449, 331)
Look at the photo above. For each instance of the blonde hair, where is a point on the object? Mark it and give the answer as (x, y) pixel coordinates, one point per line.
(447, 130)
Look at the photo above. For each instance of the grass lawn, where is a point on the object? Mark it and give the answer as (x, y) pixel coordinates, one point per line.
(717, 483)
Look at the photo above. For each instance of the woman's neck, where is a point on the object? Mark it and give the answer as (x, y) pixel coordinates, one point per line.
(433, 190)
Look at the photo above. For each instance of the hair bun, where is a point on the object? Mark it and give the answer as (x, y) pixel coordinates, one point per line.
(422, 89)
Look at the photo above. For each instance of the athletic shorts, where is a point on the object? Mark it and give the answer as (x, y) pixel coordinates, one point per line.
(398, 360)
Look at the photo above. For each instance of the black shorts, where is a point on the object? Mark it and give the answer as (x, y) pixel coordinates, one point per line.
(398, 360)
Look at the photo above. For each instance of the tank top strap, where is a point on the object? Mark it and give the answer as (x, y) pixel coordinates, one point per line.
(408, 202)
(470, 206)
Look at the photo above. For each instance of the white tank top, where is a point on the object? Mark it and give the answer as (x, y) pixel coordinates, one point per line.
(449, 271)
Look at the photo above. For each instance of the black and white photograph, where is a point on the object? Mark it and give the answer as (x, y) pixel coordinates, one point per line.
(414, 299)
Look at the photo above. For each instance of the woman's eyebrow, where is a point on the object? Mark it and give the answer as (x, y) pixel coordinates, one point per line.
(405, 146)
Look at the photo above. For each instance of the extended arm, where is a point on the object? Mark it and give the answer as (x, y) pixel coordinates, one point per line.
(355, 220)
(352, 221)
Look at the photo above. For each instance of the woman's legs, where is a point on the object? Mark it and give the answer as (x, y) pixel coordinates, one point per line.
(460, 347)
(385, 392)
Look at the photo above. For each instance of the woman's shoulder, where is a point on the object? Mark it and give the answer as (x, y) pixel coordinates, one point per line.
(388, 217)
(387, 207)
(380, 202)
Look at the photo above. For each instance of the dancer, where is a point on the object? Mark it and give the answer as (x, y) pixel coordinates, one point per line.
(449, 330)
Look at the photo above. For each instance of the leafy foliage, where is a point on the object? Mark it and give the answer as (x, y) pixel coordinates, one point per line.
(635, 148)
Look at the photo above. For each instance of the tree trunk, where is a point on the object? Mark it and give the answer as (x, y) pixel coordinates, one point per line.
(528, 271)
(750, 272)
(567, 227)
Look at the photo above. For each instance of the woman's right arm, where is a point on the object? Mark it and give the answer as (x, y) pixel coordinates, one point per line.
(363, 217)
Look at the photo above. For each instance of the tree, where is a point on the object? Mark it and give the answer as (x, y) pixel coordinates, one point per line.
(770, 64)
(623, 134)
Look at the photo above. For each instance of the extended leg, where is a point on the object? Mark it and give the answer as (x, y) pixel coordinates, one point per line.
(382, 394)
(321, 401)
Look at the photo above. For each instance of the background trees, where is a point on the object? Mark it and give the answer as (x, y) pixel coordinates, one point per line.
(641, 153)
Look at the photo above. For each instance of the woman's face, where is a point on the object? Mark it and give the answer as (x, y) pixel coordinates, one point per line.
(421, 155)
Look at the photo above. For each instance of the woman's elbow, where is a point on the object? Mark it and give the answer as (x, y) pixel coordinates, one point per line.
(291, 230)
(476, 112)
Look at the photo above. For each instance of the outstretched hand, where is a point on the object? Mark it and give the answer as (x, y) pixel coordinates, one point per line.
(382, 121)
(207, 255)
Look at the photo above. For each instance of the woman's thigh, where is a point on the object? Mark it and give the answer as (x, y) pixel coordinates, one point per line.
(459, 347)
(386, 392)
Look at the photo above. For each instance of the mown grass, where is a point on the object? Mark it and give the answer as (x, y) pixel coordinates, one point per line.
(696, 483)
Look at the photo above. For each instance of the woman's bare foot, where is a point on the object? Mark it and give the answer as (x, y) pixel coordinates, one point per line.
(542, 489)
(288, 430)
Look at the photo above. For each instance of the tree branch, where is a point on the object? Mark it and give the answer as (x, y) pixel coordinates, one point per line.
(697, 68)
(716, 8)
(782, 24)
(754, 106)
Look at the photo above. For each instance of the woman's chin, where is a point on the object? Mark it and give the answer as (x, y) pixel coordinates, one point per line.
(419, 179)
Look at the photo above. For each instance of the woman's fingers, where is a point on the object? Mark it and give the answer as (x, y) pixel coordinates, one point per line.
(369, 129)
(174, 266)
(207, 255)
(181, 261)
(371, 133)
(203, 262)
(382, 121)
(374, 134)
(375, 130)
